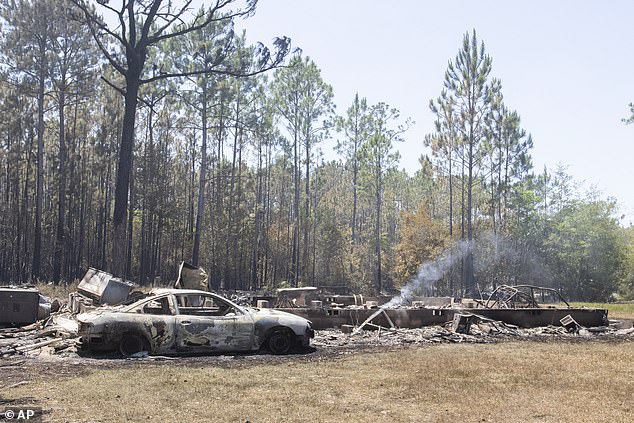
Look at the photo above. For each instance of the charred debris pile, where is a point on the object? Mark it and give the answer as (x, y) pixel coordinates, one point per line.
(31, 324)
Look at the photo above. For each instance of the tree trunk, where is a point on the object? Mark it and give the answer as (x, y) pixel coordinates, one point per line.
(355, 178)
(451, 270)
(128, 260)
(218, 191)
(236, 238)
(469, 276)
(295, 262)
(203, 179)
(37, 241)
(307, 221)
(257, 224)
(379, 278)
(231, 265)
(124, 169)
(61, 205)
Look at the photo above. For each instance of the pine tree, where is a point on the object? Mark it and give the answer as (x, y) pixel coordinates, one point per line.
(141, 27)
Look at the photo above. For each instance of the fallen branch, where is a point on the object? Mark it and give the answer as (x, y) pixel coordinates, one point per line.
(15, 385)
(37, 345)
(12, 363)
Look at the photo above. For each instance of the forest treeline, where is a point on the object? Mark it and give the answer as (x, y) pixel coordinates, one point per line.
(227, 168)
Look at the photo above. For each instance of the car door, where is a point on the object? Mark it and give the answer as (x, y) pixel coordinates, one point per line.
(208, 323)
(155, 319)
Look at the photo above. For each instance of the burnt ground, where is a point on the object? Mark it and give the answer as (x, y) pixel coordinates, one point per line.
(327, 345)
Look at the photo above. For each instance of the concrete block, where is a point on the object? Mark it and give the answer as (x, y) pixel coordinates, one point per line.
(347, 328)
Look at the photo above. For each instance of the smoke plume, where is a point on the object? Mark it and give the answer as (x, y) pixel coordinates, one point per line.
(491, 252)
(430, 272)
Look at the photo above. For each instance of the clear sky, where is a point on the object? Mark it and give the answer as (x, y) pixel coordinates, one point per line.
(567, 67)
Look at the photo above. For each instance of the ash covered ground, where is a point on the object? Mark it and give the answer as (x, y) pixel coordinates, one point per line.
(327, 345)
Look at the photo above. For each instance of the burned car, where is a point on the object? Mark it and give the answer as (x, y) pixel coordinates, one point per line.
(173, 321)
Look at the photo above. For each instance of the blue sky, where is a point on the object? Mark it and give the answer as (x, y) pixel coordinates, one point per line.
(567, 67)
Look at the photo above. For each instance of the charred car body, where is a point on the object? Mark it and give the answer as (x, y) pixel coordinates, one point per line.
(172, 321)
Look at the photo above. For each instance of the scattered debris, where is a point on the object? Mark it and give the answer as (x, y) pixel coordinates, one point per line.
(510, 312)
(347, 328)
(462, 323)
(368, 321)
(103, 288)
(22, 306)
(570, 324)
(55, 338)
(482, 330)
(191, 277)
(294, 297)
(55, 335)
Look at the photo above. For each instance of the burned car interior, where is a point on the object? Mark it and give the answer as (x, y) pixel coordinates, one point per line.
(203, 305)
(186, 304)
(159, 306)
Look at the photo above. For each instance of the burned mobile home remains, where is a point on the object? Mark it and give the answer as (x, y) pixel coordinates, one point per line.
(514, 305)
(106, 313)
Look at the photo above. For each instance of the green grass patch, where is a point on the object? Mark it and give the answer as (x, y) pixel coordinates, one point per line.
(615, 310)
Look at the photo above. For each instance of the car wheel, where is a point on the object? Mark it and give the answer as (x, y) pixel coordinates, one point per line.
(279, 342)
(131, 344)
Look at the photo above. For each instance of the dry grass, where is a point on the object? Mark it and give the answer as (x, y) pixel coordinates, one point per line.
(60, 290)
(51, 290)
(509, 382)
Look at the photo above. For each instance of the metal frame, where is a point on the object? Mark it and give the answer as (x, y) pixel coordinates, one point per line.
(506, 296)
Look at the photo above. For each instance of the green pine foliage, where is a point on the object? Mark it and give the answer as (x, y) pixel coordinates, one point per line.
(229, 170)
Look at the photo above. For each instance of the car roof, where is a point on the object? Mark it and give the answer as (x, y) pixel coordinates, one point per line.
(159, 291)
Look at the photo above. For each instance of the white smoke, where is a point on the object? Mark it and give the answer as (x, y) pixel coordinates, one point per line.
(491, 251)
(430, 272)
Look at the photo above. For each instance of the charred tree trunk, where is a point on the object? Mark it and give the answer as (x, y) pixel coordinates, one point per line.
(237, 250)
(128, 260)
(379, 279)
(25, 218)
(61, 192)
(39, 193)
(202, 181)
(295, 262)
(218, 191)
(124, 169)
(229, 241)
(307, 221)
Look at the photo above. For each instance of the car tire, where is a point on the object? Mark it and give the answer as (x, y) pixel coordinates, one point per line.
(131, 344)
(279, 342)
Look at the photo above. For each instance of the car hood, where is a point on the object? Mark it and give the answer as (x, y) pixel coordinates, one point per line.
(92, 315)
(282, 315)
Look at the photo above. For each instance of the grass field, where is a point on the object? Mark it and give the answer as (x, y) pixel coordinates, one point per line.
(615, 310)
(507, 382)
